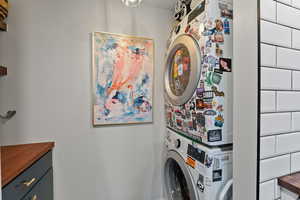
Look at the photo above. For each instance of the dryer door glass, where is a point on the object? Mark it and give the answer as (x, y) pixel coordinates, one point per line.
(178, 184)
(180, 71)
(183, 69)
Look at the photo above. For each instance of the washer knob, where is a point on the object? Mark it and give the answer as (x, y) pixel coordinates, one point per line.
(177, 143)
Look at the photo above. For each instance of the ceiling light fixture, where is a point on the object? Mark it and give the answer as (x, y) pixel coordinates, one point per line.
(132, 3)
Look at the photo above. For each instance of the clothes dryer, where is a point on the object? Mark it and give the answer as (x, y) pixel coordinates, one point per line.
(198, 73)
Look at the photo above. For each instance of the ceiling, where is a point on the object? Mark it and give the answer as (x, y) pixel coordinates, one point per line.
(166, 4)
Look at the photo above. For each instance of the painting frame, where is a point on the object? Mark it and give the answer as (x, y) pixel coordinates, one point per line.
(94, 79)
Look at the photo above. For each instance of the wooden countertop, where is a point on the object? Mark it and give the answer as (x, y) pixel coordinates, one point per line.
(16, 158)
(291, 182)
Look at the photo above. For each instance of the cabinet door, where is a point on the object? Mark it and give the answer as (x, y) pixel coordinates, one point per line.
(43, 189)
(27, 180)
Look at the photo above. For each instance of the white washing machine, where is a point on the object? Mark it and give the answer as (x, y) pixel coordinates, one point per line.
(198, 74)
(195, 172)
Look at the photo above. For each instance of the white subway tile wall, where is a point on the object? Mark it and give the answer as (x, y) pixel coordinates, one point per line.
(288, 58)
(268, 55)
(296, 38)
(276, 34)
(296, 80)
(287, 195)
(274, 167)
(267, 190)
(287, 143)
(276, 79)
(285, 1)
(268, 146)
(269, 10)
(288, 101)
(277, 190)
(274, 123)
(287, 15)
(268, 103)
(280, 95)
(296, 3)
(295, 162)
(296, 121)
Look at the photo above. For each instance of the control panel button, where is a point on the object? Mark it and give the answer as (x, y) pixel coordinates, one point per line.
(177, 143)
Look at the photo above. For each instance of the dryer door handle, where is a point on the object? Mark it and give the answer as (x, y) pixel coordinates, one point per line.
(225, 190)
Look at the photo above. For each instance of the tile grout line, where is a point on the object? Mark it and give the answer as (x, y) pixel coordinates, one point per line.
(279, 155)
(276, 155)
(281, 46)
(282, 133)
(276, 56)
(276, 12)
(276, 141)
(292, 80)
(280, 24)
(276, 96)
(288, 5)
(268, 180)
(292, 38)
(272, 178)
(277, 68)
(290, 162)
(291, 123)
(278, 112)
(280, 90)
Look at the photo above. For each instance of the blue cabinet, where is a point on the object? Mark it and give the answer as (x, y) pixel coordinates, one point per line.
(34, 183)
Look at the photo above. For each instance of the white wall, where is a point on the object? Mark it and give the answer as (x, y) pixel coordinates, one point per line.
(280, 96)
(245, 99)
(48, 53)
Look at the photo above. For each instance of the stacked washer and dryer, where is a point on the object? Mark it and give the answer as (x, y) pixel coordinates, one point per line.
(198, 102)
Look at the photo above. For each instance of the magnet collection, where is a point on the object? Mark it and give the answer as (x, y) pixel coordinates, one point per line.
(202, 117)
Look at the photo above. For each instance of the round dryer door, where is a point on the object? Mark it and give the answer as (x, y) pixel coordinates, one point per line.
(183, 68)
(178, 180)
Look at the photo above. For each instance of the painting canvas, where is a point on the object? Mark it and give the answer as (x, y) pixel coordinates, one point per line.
(122, 79)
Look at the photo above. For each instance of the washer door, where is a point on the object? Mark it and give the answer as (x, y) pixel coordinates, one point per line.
(183, 69)
(178, 180)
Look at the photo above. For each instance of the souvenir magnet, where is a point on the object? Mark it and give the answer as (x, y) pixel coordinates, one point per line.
(217, 175)
(218, 37)
(226, 27)
(214, 135)
(200, 183)
(219, 25)
(200, 119)
(225, 64)
(199, 104)
(219, 121)
(216, 78)
(210, 112)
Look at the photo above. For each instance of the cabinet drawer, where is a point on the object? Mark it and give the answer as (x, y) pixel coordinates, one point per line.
(43, 190)
(24, 182)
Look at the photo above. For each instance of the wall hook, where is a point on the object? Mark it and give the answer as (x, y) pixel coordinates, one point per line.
(8, 115)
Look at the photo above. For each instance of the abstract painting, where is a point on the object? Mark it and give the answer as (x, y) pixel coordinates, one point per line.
(122, 79)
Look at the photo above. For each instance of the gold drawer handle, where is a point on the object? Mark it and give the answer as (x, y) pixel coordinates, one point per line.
(28, 183)
(34, 197)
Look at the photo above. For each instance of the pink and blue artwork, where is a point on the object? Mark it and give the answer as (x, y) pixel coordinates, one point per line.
(122, 79)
